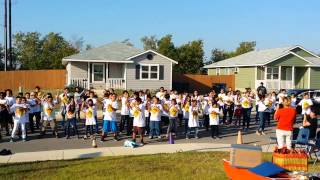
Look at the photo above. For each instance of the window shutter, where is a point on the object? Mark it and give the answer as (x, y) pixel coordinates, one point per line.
(90, 79)
(137, 71)
(161, 72)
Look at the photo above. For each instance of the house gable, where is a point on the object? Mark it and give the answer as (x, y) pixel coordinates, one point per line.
(289, 60)
(301, 52)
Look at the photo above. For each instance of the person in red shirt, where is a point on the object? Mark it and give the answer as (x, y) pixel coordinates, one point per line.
(286, 117)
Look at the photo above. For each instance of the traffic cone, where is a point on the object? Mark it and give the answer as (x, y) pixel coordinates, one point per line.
(171, 138)
(94, 143)
(239, 138)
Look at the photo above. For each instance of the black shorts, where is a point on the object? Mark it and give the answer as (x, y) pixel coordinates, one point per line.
(138, 130)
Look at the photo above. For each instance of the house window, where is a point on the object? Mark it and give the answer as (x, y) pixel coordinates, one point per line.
(149, 72)
(272, 73)
(98, 72)
(226, 71)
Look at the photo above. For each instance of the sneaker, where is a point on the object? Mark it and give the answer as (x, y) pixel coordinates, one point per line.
(24, 140)
(197, 137)
(159, 137)
(258, 133)
(187, 137)
(263, 133)
(150, 137)
(85, 137)
(11, 140)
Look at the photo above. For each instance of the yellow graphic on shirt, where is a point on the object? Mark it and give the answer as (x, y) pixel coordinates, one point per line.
(154, 110)
(48, 111)
(173, 111)
(20, 112)
(136, 113)
(65, 99)
(89, 113)
(214, 115)
(165, 107)
(109, 108)
(245, 103)
(209, 102)
(70, 114)
(186, 107)
(306, 105)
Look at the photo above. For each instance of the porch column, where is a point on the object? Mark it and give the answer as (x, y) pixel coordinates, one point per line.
(279, 77)
(265, 77)
(293, 77)
(69, 73)
(107, 76)
(88, 80)
(309, 77)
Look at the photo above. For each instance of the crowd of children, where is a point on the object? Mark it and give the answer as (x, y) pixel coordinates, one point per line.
(141, 113)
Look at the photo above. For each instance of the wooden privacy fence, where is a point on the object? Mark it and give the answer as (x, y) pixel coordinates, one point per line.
(28, 79)
(201, 83)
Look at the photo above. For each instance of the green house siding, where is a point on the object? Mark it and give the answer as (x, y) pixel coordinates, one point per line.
(245, 78)
(302, 53)
(212, 71)
(289, 60)
(315, 76)
(301, 78)
(260, 73)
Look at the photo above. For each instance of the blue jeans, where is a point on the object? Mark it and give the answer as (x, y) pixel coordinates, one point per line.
(185, 126)
(263, 116)
(246, 112)
(192, 129)
(154, 128)
(73, 123)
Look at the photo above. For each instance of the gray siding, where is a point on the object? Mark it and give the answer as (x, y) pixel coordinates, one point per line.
(315, 76)
(136, 84)
(79, 69)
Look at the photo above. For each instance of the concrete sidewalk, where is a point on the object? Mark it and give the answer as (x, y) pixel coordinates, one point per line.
(112, 151)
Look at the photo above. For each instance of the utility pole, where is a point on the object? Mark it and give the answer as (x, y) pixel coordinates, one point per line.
(10, 38)
(5, 35)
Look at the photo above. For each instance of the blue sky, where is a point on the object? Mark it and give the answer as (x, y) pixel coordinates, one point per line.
(219, 23)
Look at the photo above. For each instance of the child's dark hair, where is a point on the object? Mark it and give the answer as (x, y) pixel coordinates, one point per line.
(125, 92)
(167, 96)
(138, 100)
(174, 100)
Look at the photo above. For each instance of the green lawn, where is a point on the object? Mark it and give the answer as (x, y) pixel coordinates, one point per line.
(188, 165)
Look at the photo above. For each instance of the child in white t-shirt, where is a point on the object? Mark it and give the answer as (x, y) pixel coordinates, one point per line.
(89, 110)
(109, 118)
(214, 120)
(155, 118)
(193, 122)
(173, 115)
(185, 111)
(49, 116)
(306, 104)
(139, 122)
(124, 119)
(19, 109)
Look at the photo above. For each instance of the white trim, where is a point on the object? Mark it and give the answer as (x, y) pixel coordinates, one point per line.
(279, 78)
(125, 76)
(88, 80)
(95, 60)
(298, 46)
(149, 71)
(69, 73)
(106, 75)
(256, 75)
(293, 77)
(92, 74)
(236, 69)
(309, 78)
(265, 72)
(129, 58)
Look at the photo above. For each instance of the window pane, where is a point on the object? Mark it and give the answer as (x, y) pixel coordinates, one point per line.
(145, 75)
(154, 68)
(268, 76)
(98, 68)
(154, 75)
(98, 77)
(145, 68)
(276, 70)
(269, 70)
(275, 76)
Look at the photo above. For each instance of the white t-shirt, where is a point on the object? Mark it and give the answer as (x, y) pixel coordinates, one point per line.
(306, 106)
(138, 116)
(109, 112)
(155, 112)
(160, 95)
(124, 106)
(69, 113)
(63, 99)
(214, 116)
(280, 97)
(173, 111)
(48, 112)
(185, 111)
(20, 112)
(4, 102)
(32, 104)
(193, 116)
(205, 107)
(146, 112)
(245, 102)
(221, 97)
(261, 106)
(11, 100)
(165, 107)
(89, 113)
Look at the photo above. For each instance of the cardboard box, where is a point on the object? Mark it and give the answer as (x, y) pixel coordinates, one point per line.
(245, 156)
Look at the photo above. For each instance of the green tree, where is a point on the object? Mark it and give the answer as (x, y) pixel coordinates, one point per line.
(190, 57)
(166, 47)
(149, 42)
(218, 55)
(245, 47)
(127, 42)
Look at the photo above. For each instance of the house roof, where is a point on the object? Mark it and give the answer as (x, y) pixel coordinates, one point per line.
(262, 57)
(113, 52)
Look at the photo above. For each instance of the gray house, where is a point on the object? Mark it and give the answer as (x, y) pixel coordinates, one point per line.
(119, 66)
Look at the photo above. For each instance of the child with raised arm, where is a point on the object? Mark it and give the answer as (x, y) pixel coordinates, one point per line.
(71, 109)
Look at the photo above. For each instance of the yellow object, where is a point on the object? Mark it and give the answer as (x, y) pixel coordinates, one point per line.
(166, 107)
(305, 105)
(239, 138)
(154, 110)
(213, 115)
(136, 113)
(245, 103)
(19, 112)
(49, 111)
(89, 113)
(109, 108)
(65, 99)
(173, 111)
(186, 107)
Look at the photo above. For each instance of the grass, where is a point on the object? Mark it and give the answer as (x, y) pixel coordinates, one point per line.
(186, 165)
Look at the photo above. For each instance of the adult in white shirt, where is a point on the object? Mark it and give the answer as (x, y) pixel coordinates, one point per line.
(263, 110)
